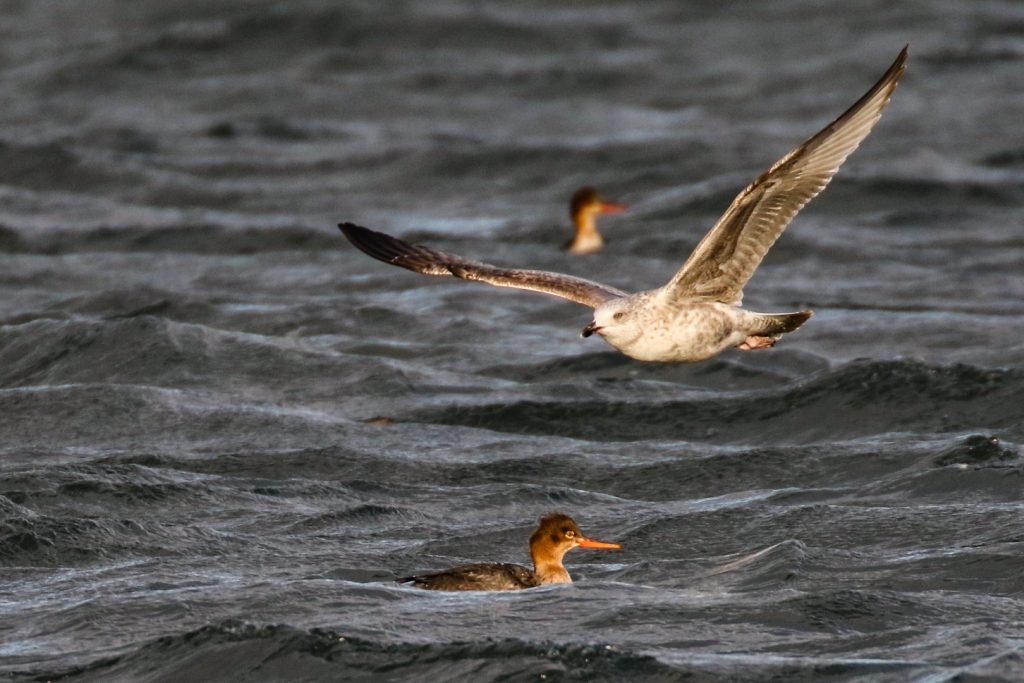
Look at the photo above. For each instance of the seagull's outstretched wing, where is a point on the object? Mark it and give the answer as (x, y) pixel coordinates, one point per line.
(733, 249)
(433, 262)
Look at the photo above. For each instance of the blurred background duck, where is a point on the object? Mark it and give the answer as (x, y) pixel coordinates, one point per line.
(584, 208)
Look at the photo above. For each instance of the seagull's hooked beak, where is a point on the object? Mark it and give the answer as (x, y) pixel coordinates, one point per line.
(590, 329)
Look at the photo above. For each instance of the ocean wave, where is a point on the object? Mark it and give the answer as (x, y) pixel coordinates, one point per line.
(53, 166)
(135, 348)
(183, 239)
(240, 651)
(45, 541)
(862, 398)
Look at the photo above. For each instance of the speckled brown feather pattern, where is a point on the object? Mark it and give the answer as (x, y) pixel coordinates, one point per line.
(434, 262)
(732, 250)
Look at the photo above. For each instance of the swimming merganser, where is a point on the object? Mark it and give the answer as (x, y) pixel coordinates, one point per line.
(584, 208)
(556, 535)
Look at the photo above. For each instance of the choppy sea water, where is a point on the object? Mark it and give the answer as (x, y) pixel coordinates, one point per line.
(191, 482)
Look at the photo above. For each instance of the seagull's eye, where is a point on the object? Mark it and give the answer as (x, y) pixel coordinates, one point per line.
(570, 534)
(619, 315)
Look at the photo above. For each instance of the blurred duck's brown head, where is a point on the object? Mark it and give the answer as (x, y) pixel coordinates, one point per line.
(584, 208)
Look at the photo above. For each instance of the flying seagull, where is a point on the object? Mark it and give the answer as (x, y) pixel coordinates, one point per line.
(697, 314)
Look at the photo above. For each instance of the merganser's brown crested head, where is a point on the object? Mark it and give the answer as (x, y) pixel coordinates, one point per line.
(584, 208)
(557, 534)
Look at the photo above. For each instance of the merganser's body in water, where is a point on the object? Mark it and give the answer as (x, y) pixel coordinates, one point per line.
(556, 535)
(697, 314)
(584, 208)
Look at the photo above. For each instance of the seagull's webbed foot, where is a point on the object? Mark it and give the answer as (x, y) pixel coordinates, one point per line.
(753, 343)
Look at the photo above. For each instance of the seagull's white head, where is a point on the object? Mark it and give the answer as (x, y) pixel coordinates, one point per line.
(616, 321)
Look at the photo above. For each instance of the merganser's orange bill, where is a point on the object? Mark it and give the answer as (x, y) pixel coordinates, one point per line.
(611, 207)
(591, 543)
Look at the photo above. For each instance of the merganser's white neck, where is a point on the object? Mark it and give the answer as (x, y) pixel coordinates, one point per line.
(587, 238)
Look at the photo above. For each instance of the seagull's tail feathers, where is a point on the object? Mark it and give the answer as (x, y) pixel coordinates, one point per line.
(775, 324)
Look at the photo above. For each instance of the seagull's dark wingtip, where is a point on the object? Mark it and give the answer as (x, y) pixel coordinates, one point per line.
(358, 235)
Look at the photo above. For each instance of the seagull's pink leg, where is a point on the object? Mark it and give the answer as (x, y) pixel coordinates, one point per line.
(753, 343)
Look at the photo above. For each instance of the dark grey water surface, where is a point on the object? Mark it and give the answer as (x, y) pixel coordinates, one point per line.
(189, 351)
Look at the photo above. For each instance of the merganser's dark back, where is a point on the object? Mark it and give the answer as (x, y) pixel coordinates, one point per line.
(483, 576)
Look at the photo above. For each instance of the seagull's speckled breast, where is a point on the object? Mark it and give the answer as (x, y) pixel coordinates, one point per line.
(659, 331)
